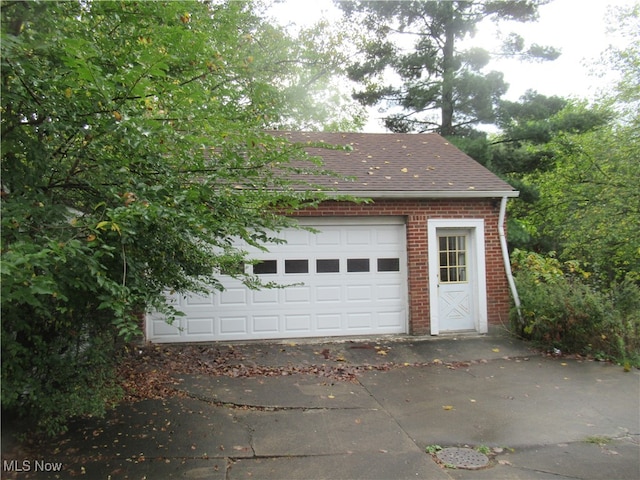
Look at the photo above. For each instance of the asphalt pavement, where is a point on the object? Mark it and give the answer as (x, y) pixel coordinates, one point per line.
(497, 408)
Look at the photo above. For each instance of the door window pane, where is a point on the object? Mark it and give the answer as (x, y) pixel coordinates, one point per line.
(453, 259)
(357, 265)
(388, 264)
(265, 267)
(328, 265)
(296, 266)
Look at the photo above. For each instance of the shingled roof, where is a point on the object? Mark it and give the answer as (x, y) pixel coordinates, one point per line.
(401, 166)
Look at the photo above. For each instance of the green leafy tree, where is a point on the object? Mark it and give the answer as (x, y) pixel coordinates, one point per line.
(589, 206)
(589, 202)
(582, 292)
(412, 61)
(524, 147)
(134, 153)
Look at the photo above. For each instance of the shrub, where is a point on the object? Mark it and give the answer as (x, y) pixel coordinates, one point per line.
(561, 309)
(58, 344)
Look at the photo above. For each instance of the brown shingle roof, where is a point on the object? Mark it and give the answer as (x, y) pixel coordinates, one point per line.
(410, 165)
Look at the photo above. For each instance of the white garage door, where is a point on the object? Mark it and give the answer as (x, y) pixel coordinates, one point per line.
(349, 278)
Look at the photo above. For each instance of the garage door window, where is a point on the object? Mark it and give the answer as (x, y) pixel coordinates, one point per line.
(328, 265)
(296, 266)
(357, 265)
(388, 264)
(266, 267)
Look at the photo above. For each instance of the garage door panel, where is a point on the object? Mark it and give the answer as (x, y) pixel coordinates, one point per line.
(359, 293)
(389, 292)
(297, 323)
(200, 326)
(299, 295)
(233, 296)
(329, 321)
(296, 238)
(266, 323)
(346, 279)
(359, 321)
(359, 237)
(198, 299)
(233, 325)
(162, 329)
(328, 237)
(391, 319)
(266, 296)
(388, 237)
(332, 294)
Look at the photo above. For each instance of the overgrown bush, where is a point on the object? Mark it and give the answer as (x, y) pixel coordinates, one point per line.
(58, 333)
(561, 308)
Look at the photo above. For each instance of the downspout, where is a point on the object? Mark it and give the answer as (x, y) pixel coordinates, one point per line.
(505, 256)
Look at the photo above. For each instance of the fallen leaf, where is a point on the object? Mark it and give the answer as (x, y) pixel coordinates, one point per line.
(447, 407)
(331, 396)
(496, 350)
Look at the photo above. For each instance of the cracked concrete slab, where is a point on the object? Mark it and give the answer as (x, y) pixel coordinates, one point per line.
(357, 466)
(325, 432)
(509, 402)
(300, 391)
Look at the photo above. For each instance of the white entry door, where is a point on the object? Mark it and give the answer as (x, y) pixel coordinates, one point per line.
(455, 292)
(347, 277)
(457, 285)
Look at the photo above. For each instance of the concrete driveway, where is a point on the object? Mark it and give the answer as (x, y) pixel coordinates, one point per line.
(532, 416)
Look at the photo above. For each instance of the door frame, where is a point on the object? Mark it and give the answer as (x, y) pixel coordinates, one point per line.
(475, 227)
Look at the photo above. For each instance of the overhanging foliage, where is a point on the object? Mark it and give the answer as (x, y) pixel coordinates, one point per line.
(134, 153)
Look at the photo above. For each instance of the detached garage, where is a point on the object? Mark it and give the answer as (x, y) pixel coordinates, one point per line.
(424, 257)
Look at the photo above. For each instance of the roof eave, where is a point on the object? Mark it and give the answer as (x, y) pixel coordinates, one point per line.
(424, 194)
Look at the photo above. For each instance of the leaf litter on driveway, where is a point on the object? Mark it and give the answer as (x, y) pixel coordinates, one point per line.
(151, 373)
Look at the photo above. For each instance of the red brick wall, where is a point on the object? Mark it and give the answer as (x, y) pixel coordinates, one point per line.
(417, 212)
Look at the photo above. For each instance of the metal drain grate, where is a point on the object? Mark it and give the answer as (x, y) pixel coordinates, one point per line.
(463, 458)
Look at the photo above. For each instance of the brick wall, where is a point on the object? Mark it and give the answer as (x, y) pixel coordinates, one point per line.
(417, 212)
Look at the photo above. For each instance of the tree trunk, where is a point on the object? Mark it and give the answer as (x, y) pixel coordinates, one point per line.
(448, 75)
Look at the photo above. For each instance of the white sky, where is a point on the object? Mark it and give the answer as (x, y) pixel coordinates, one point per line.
(577, 27)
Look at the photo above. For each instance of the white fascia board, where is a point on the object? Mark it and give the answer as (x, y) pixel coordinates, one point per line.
(403, 194)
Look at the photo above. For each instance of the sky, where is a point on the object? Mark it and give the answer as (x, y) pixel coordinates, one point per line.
(579, 30)
(577, 27)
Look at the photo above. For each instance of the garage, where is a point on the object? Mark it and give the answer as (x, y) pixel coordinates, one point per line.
(347, 277)
(423, 255)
